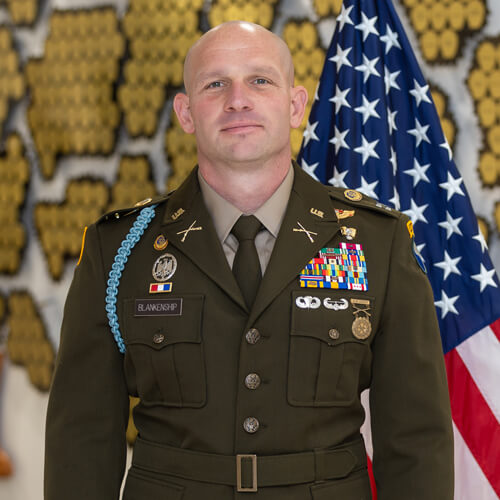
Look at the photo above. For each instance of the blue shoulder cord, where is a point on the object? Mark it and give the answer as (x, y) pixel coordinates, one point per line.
(121, 257)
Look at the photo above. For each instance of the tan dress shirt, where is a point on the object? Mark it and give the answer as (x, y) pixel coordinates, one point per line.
(270, 214)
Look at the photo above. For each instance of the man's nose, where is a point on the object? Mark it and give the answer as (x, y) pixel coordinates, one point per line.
(238, 98)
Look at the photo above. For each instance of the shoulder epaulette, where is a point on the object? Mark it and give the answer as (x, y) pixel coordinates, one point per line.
(357, 199)
(124, 212)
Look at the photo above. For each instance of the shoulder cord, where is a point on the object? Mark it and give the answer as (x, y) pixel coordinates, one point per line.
(121, 257)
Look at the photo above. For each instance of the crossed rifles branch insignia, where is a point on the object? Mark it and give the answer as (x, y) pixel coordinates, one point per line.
(188, 230)
(304, 230)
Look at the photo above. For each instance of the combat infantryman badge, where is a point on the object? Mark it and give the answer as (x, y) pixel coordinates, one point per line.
(164, 267)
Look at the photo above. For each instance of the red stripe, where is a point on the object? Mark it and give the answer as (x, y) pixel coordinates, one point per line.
(495, 326)
(372, 478)
(474, 419)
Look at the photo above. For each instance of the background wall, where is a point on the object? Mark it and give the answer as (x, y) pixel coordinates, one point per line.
(86, 125)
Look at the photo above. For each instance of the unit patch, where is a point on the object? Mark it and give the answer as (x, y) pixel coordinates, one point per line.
(158, 307)
(160, 243)
(339, 268)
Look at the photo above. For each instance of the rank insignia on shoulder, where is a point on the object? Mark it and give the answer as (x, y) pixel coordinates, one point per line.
(342, 268)
(353, 195)
(344, 214)
(160, 287)
(160, 243)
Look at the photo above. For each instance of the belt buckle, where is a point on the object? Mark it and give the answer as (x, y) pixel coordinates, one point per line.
(253, 488)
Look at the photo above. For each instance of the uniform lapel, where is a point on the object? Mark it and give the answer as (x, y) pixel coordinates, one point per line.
(185, 210)
(310, 222)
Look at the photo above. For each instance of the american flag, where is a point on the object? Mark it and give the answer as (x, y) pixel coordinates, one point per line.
(374, 127)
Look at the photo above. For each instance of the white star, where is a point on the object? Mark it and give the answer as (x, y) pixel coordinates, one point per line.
(338, 178)
(368, 109)
(340, 99)
(420, 93)
(341, 58)
(394, 161)
(344, 18)
(309, 133)
(449, 265)
(367, 188)
(390, 80)
(391, 120)
(310, 168)
(339, 140)
(452, 186)
(485, 278)
(395, 199)
(420, 132)
(420, 248)
(418, 172)
(416, 213)
(479, 237)
(368, 67)
(367, 149)
(390, 39)
(367, 26)
(451, 225)
(446, 304)
(446, 146)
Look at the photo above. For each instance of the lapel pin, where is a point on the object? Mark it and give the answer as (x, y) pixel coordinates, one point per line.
(304, 230)
(188, 230)
(348, 232)
(160, 243)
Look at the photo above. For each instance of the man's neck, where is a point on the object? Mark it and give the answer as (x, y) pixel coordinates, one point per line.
(245, 188)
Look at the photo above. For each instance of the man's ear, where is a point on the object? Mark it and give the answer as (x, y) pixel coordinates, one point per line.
(297, 105)
(181, 107)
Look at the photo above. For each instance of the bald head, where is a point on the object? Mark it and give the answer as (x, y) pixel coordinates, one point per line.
(234, 33)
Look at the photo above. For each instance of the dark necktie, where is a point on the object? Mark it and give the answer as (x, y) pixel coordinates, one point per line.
(246, 265)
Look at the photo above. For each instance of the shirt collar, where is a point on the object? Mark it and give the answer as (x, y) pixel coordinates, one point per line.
(225, 214)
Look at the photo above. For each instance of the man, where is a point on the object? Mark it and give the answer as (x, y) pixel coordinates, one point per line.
(248, 387)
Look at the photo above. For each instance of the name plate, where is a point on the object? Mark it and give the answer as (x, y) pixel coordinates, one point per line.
(158, 307)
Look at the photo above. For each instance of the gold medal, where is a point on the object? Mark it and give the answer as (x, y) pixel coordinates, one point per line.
(361, 328)
(160, 243)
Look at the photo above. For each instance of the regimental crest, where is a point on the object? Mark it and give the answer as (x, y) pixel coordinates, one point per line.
(164, 267)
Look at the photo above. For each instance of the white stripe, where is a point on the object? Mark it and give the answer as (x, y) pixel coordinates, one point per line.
(481, 355)
(366, 429)
(470, 481)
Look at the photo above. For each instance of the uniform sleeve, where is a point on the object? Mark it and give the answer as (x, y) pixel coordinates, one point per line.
(409, 401)
(85, 448)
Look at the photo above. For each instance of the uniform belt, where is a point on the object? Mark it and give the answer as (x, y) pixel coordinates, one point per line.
(247, 472)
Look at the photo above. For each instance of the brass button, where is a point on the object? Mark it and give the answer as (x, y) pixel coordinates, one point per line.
(251, 425)
(334, 334)
(252, 336)
(158, 338)
(252, 381)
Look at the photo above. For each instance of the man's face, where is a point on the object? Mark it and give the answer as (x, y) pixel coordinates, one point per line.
(241, 104)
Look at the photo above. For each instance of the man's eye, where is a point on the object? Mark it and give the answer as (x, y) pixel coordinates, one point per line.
(214, 85)
(261, 81)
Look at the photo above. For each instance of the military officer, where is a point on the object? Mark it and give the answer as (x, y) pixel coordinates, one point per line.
(248, 310)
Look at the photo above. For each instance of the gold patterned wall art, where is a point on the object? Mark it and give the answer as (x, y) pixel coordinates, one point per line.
(497, 215)
(14, 177)
(484, 86)
(23, 12)
(325, 8)
(255, 11)
(12, 85)
(444, 26)
(159, 35)
(27, 341)
(72, 108)
(181, 152)
(60, 225)
(308, 58)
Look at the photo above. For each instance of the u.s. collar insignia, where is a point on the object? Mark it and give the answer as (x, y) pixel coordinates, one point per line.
(164, 267)
(317, 213)
(160, 243)
(353, 195)
(177, 213)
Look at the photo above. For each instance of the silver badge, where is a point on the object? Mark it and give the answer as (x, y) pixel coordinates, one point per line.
(164, 267)
(308, 302)
(336, 305)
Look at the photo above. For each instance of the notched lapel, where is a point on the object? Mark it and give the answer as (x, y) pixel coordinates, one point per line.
(311, 213)
(188, 227)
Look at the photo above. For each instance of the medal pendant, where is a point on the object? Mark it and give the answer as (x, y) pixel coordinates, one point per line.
(361, 328)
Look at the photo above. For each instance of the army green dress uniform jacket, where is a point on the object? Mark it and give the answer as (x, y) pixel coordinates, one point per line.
(291, 430)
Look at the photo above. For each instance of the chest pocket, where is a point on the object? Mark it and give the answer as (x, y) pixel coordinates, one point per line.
(325, 356)
(164, 358)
